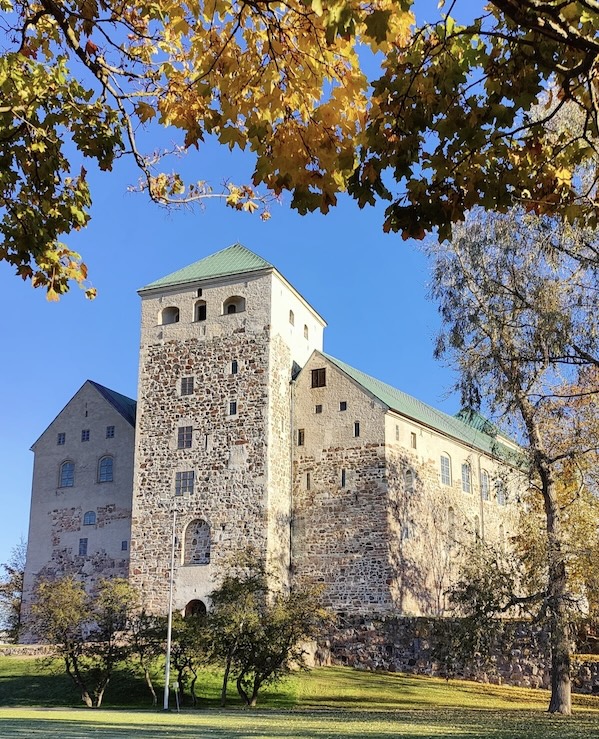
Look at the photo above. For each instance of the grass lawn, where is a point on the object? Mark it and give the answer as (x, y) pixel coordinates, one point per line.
(333, 702)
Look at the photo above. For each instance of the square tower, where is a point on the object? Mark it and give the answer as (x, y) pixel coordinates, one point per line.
(220, 342)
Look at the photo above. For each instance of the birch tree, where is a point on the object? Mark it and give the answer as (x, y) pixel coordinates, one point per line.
(520, 309)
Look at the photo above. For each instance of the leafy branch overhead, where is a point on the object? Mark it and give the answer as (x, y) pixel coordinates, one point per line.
(446, 126)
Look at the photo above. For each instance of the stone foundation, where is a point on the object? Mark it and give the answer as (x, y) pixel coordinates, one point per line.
(519, 655)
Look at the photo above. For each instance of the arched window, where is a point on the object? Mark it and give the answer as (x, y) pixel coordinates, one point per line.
(291, 318)
(466, 478)
(169, 315)
(105, 469)
(409, 481)
(196, 545)
(484, 485)
(199, 310)
(445, 469)
(89, 518)
(67, 475)
(234, 304)
(195, 608)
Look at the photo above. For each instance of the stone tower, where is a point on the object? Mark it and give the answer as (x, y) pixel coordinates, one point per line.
(220, 342)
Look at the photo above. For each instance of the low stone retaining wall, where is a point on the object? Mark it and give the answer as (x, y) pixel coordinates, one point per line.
(25, 650)
(519, 655)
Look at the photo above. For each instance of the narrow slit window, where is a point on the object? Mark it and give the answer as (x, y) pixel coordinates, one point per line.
(343, 477)
(301, 437)
(356, 428)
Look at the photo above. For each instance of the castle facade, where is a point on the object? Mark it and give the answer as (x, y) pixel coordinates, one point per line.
(246, 433)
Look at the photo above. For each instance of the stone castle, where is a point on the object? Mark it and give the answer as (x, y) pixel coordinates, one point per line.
(252, 435)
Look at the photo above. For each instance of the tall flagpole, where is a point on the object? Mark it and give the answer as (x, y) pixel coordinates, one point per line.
(169, 628)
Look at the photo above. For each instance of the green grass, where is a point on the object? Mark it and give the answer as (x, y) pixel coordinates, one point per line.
(331, 702)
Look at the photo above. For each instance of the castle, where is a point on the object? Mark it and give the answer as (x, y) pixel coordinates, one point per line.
(250, 434)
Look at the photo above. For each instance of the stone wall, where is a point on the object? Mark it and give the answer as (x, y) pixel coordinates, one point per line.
(417, 646)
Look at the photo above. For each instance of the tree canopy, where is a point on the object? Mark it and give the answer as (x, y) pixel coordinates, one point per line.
(446, 126)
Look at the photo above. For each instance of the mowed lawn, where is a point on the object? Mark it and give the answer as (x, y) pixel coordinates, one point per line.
(333, 702)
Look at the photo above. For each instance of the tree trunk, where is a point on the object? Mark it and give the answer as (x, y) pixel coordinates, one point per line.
(100, 690)
(223, 690)
(557, 585)
(72, 671)
(243, 695)
(255, 689)
(150, 684)
(561, 699)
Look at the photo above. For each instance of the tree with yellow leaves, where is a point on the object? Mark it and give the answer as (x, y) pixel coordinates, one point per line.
(447, 126)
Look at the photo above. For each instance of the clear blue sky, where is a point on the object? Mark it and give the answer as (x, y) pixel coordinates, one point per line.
(370, 288)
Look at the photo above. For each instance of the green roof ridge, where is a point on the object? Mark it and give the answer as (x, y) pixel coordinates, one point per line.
(234, 259)
(411, 407)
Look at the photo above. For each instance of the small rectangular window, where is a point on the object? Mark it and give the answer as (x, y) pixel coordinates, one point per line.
(184, 482)
(397, 433)
(356, 428)
(318, 409)
(82, 547)
(124, 545)
(343, 405)
(500, 491)
(85, 435)
(466, 478)
(184, 437)
(60, 439)
(413, 440)
(233, 408)
(308, 481)
(187, 386)
(234, 367)
(300, 437)
(110, 432)
(319, 377)
(445, 470)
(343, 478)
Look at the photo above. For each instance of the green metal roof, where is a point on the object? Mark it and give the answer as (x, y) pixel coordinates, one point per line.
(410, 407)
(233, 260)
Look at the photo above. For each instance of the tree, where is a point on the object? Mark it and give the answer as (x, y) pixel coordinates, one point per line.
(80, 79)
(87, 632)
(147, 635)
(11, 591)
(517, 295)
(448, 120)
(189, 651)
(454, 122)
(257, 630)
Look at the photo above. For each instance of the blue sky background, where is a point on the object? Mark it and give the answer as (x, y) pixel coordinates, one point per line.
(370, 287)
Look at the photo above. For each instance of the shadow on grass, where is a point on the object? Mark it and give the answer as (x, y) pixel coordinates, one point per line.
(305, 725)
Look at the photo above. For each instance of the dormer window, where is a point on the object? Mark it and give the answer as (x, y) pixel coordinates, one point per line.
(234, 304)
(170, 315)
